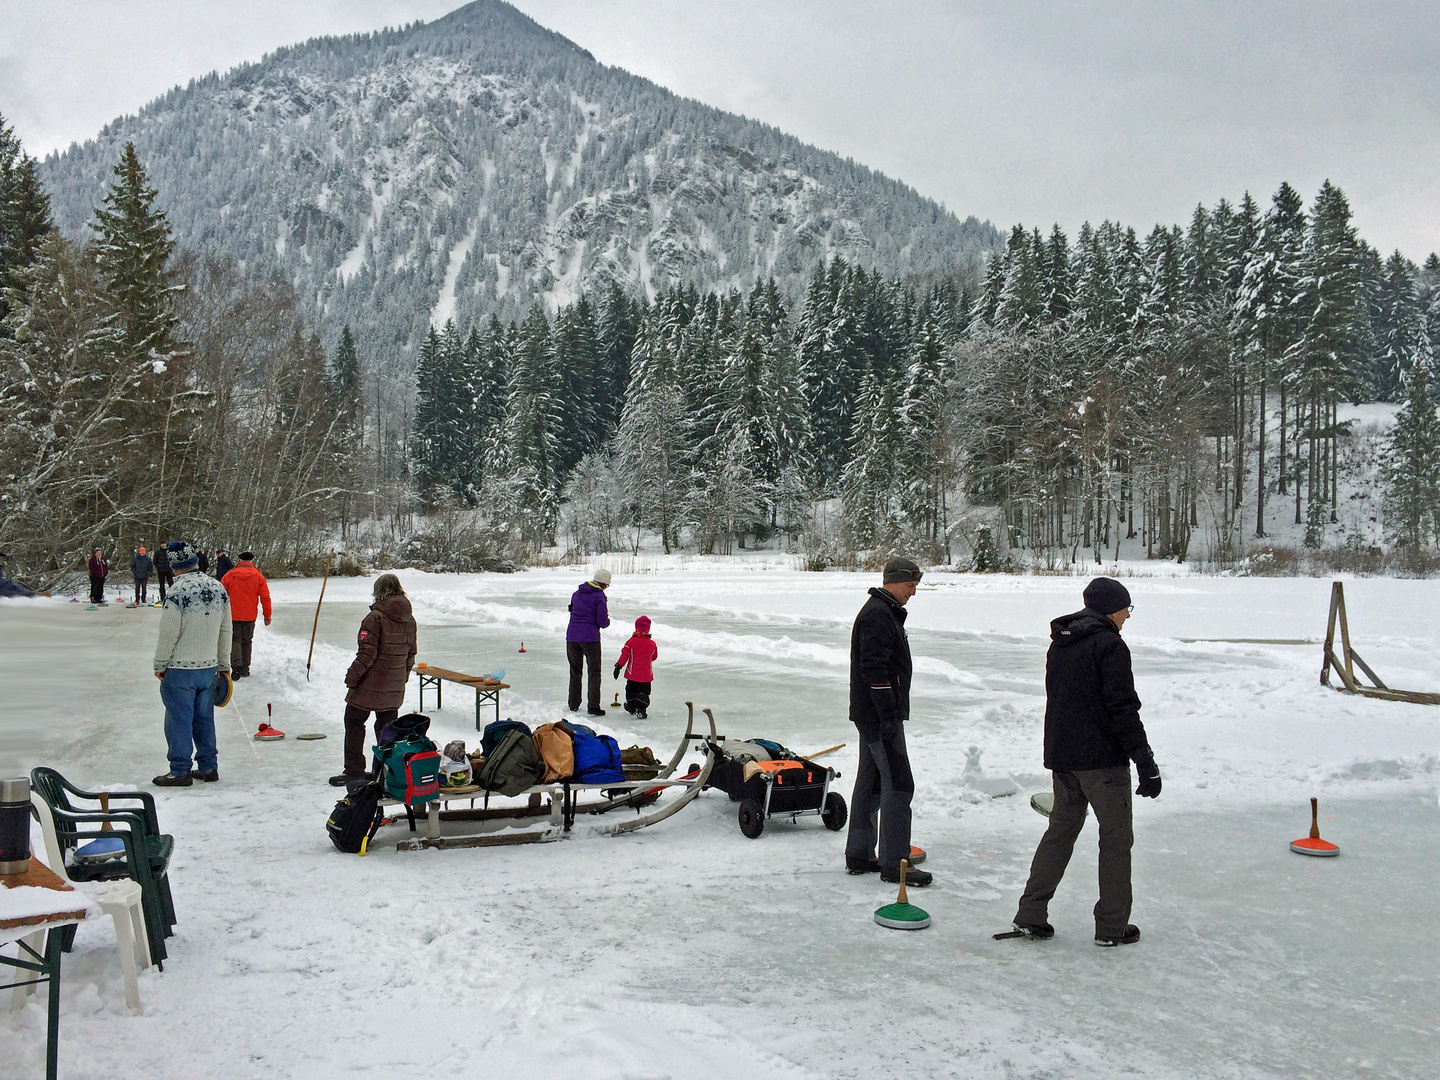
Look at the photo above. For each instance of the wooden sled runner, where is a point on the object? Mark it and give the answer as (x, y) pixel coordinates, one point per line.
(557, 806)
(1348, 660)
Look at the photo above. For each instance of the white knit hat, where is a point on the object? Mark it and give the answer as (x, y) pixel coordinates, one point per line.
(602, 577)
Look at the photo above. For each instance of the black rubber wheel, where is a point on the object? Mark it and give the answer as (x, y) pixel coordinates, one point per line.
(835, 813)
(752, 818)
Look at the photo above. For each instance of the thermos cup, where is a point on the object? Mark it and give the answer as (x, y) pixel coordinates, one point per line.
(14, 826)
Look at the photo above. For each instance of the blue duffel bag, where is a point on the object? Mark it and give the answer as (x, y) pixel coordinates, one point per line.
(597, 757)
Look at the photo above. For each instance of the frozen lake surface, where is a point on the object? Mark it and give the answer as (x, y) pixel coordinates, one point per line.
(686, 950)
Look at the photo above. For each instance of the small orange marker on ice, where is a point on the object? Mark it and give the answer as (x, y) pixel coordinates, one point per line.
(1312, 844)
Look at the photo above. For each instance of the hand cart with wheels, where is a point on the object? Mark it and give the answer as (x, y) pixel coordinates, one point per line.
(768, 781)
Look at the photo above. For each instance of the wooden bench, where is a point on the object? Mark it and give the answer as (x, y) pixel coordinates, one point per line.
(486, 691)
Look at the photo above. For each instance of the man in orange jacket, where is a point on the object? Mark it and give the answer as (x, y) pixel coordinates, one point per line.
(247, 588)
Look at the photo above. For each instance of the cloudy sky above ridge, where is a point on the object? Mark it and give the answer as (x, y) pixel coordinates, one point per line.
(1024, 111)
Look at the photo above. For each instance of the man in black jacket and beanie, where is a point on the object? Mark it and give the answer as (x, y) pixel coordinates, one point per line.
(880, 672)
(1092, 733)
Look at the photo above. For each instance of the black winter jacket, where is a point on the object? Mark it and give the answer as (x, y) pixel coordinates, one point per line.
(1092, 713)
(140, 567)
(880, 667)
(223, 566)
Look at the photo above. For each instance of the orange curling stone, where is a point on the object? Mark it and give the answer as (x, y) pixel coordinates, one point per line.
(1312, 844)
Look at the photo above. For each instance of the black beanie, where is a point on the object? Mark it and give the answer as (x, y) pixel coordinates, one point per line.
(1106, 595)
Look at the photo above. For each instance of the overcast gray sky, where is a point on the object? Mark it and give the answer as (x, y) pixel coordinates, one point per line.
(1013, 111)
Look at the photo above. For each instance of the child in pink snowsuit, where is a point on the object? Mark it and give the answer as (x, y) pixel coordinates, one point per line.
(636, 657)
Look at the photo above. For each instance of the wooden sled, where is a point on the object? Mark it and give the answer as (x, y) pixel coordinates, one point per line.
(558, 805)
(1348, 660)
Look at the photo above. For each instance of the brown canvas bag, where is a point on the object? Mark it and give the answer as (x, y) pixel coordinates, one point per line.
(556, 751)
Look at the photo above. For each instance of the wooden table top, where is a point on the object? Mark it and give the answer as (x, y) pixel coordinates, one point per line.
(480, 682)
(42, 877)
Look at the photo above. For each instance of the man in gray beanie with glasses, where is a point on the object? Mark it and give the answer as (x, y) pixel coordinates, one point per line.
(880, 672)
(1092, 733)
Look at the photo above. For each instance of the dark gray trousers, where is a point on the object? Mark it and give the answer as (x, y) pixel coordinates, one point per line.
(884, 786)
(1108, 791)
(242, 640)
(580, 653)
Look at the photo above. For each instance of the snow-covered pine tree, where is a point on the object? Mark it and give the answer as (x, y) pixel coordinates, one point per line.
(132, 247)
(534, 418)
(432, 415)
(1059, 277)
(24, 212)
(1330, 303)
(1023, 299)
(1400, 328)
(1412, 463)
(1264, 321)
(926, 453)
(872, 480)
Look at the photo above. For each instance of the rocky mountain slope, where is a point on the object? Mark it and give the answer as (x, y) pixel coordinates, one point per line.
(482, 163)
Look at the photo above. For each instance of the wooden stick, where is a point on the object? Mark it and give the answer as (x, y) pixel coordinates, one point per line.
(1345, 636)
(1366, 668)
(827, 750)
(904, 868)
(316, 628)
(1314, 818)
(1330, 635)
(105, 826)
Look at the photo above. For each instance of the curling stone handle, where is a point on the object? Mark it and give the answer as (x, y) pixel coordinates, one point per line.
(904, 868)
(1314, 818)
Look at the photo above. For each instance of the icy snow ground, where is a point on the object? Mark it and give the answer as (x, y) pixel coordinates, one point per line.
(686, 950)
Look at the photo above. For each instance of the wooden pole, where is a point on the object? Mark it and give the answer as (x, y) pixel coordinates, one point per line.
(1345, 636)
(1335, 594)
(316, 628)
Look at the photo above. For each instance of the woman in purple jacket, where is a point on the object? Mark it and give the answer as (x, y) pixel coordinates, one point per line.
(588, 616)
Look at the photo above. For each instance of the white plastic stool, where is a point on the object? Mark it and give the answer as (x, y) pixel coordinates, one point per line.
(121, 900)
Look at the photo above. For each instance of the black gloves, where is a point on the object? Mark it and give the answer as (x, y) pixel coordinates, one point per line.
(1149, 774)
(617, 671)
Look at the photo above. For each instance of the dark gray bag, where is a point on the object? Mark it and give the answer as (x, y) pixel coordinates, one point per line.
(512, 766)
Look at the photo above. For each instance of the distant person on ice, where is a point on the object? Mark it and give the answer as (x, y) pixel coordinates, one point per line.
(589, 614)
(1092, 733)
(140, 568)
(223, 563)
(384, 655)
(880, 672)
(248, 591)
(194, 644)
(99, 571)
(162, 569)
(636, 656)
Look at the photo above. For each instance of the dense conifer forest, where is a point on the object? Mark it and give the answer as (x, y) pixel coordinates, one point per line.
(1180, 391)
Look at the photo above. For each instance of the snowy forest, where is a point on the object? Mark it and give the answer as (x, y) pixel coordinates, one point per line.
(1181, 391)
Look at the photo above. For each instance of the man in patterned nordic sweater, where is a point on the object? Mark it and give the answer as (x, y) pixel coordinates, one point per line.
(194, 643)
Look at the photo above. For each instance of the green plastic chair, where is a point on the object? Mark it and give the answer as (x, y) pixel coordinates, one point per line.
(147, 850)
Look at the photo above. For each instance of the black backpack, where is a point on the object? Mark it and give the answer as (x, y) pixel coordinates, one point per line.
(356, 817)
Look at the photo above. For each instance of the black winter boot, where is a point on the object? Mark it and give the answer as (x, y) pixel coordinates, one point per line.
(1129, 937)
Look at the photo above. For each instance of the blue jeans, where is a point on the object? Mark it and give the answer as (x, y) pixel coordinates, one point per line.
(189, 718)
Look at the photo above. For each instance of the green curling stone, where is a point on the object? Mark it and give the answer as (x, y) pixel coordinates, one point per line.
(902, 915)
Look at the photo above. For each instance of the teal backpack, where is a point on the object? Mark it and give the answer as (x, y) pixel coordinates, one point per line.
(410, 768)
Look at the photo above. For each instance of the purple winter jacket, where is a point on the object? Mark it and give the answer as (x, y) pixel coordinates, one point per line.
(588, 614)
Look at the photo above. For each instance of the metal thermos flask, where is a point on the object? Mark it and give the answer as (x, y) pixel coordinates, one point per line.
(14, 826)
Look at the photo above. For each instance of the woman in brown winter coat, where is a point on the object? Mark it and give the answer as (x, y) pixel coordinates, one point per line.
(378, 675)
